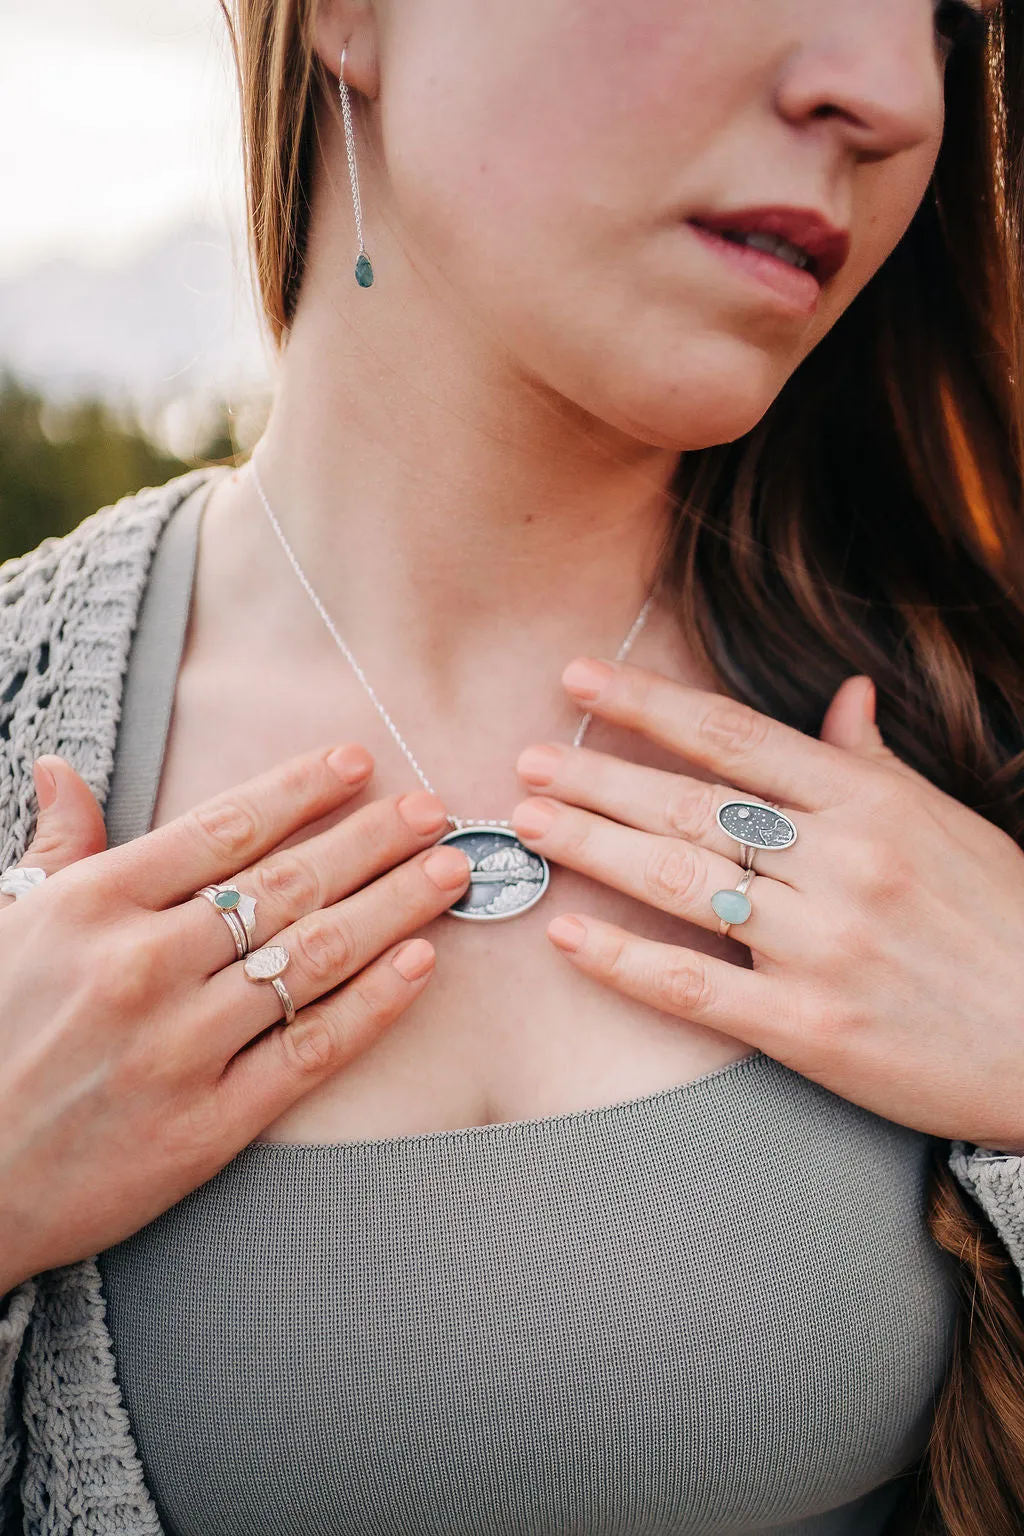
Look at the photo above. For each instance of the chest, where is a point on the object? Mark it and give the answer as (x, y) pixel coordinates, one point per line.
(507, 1029)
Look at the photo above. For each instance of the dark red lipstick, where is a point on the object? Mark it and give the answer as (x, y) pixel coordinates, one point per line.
(823, 243)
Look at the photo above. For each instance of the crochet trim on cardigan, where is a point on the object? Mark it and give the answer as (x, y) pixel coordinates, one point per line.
(68, 612)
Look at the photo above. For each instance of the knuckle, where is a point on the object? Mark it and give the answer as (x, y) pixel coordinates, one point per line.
(637, 689)
(573, 833)
(302, 778)
(690, 810)
(365, 1002)
(201, 1122)
(123, 978)
(309, 1044)
(669, 875)
(325, 948)
(886, 874)
(290, 882)
(685, 986)
(733, 726)
(53, 844)
(836, 1019)
(844, 946)
(229, 826)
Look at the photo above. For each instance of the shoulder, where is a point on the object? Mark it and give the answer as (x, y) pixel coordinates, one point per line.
(68, 611)
(117, 540)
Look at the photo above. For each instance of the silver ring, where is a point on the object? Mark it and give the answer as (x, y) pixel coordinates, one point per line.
(756, 824)
(733, 906)
(237, 910)
(20, 880)
(267, 964)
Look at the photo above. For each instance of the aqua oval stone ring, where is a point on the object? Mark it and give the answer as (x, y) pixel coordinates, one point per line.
(237, 910)
(733, 906)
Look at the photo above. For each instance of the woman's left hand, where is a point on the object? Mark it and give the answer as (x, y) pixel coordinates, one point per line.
(887, 941)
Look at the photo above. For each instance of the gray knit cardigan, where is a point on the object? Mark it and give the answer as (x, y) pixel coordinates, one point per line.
(68, 1463)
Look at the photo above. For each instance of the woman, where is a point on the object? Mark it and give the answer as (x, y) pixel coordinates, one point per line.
(698, 326)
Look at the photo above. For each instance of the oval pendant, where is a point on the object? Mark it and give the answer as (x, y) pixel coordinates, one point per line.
(507, 878)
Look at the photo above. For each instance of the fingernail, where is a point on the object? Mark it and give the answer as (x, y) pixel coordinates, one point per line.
(414, 959)
(422, 811)
(532, 818)
(351, 763)
(447, 867)
(46, 786)
(870, 701)
(538, 765)
(587, 679)
(567, 933)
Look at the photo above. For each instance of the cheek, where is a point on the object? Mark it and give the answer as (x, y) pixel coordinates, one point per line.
(542, 127)
(887, 196)
(543, 164)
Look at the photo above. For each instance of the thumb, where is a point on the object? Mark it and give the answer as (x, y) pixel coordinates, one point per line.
(850, 720)
(70, 824)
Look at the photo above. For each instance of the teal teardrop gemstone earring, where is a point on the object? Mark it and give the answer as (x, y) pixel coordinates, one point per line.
(364, 266)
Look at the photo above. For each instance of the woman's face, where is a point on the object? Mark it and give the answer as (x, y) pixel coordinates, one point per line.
(550, 156)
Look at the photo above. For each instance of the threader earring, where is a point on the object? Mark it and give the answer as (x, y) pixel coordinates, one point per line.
(364, 267)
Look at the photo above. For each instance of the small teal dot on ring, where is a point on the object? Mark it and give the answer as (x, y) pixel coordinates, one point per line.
(227, 900)
(731, 906)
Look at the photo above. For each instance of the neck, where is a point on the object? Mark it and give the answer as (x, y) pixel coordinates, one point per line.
(417, 476)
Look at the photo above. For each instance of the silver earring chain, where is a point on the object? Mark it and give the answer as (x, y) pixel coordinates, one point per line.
(350, 149)
(620, 655)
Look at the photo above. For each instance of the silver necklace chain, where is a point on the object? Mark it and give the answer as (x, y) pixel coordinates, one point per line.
(457, 822)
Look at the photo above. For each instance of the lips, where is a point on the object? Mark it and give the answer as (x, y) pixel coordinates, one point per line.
(826, 247)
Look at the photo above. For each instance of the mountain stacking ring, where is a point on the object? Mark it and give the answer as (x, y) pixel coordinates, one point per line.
(756, 825)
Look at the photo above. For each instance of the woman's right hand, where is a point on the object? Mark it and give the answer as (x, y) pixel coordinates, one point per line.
(136, 1058)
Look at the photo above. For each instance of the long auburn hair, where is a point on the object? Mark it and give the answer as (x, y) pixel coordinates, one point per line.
(872, 522)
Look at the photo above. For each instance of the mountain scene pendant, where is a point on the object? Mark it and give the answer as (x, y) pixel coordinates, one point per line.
(506, 877)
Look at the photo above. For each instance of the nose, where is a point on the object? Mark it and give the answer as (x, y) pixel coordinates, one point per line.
(871, 70)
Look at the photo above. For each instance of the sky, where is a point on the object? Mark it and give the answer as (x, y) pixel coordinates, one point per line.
(117, 124)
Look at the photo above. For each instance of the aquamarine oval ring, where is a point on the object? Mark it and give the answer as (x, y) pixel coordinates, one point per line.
(733, 906)
(237, 910)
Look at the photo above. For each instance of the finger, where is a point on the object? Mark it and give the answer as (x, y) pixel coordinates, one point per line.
(739, 745)
(329, 947)
(650, 799)
(316, 873)
(663, 872)
(748, 1005)
(212, 841)
(69, 824)
(260, 1083)
(849, 723)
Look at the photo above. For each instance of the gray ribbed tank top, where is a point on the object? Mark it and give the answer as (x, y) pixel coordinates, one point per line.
(712, 1309)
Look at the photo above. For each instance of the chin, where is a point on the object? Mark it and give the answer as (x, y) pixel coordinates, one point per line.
(715, 399)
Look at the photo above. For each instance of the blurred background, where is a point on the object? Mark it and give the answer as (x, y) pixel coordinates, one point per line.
(130, 348)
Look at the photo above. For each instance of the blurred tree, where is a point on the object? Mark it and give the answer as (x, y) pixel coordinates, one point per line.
(58, 464)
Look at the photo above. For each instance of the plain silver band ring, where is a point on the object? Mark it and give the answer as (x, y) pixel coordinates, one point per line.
(234, 922)
(286, 999)
(745, 882)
